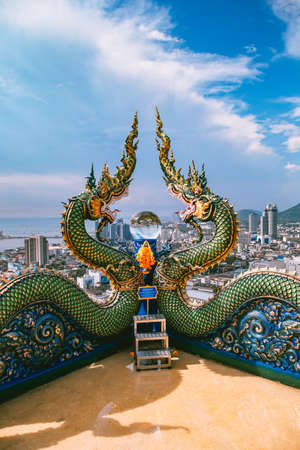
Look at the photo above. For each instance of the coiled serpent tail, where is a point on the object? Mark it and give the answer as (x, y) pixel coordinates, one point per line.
(116, 314)
(96, 319)
(202, 205)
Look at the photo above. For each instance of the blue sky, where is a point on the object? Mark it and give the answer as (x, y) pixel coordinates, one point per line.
(225, 76)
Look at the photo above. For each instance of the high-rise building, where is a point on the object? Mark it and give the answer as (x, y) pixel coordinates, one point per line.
(264, 223)
(120, 229)
(253, 222)
(116, 231)
(36, 250)
(272, 221)
(30, 254)
(126, 232)
(268, 222)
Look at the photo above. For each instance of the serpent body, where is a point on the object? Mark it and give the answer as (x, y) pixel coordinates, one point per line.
(181, 312)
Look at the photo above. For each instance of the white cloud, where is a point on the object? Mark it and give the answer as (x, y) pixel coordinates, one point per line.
(292, 168)
(289, 12)
(128, 46)
(41, 184)
(293, 144)
(285, 128)
(9, 86)
(250, 48)
(286, 9)
(244, 131)
(290, 99)
(157, 35)
(296, 112)
(137, 45)
(43, 193)
(290, 130)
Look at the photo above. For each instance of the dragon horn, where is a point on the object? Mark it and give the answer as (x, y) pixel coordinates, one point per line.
(195, 172)
(92, 175)
(128, 158)
(167, 165)
(202, 178)
(91, 180)
(199, 179)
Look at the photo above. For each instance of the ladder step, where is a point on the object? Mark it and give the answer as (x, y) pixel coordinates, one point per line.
(149, 318)
(151, 336)
(153, 359)
(154, 354)
(144, 364)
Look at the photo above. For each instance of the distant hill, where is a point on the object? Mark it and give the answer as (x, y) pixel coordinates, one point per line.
(290, 215)
(243, 215)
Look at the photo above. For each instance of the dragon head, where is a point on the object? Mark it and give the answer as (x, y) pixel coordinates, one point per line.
(99, 196)
(193, 190)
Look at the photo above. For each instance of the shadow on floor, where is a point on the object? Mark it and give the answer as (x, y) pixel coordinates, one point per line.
(83, 400)
(108, 427)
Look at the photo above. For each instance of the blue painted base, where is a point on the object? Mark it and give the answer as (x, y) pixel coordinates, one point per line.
(42, 343)
(18, 387)
(255, 367)
(262, 337)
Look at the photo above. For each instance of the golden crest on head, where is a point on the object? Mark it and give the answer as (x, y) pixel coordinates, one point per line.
(196, 188)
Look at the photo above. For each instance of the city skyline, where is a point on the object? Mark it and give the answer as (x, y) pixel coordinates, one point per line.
(224, 76)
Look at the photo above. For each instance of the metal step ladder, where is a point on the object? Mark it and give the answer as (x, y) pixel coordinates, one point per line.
(151, 346)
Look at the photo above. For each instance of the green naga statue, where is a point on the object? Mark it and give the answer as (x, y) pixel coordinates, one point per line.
(34, 305)
(202, 205)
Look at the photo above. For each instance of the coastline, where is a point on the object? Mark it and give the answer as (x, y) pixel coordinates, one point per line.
(13, 243)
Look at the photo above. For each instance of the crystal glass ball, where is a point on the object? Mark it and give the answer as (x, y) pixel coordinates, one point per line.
(145, 225)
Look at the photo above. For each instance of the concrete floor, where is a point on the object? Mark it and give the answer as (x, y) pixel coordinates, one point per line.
(198, 404)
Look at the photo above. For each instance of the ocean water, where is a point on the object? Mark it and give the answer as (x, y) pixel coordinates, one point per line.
(26, 226)
(47, 226)
(18, 229)
(11, 244)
